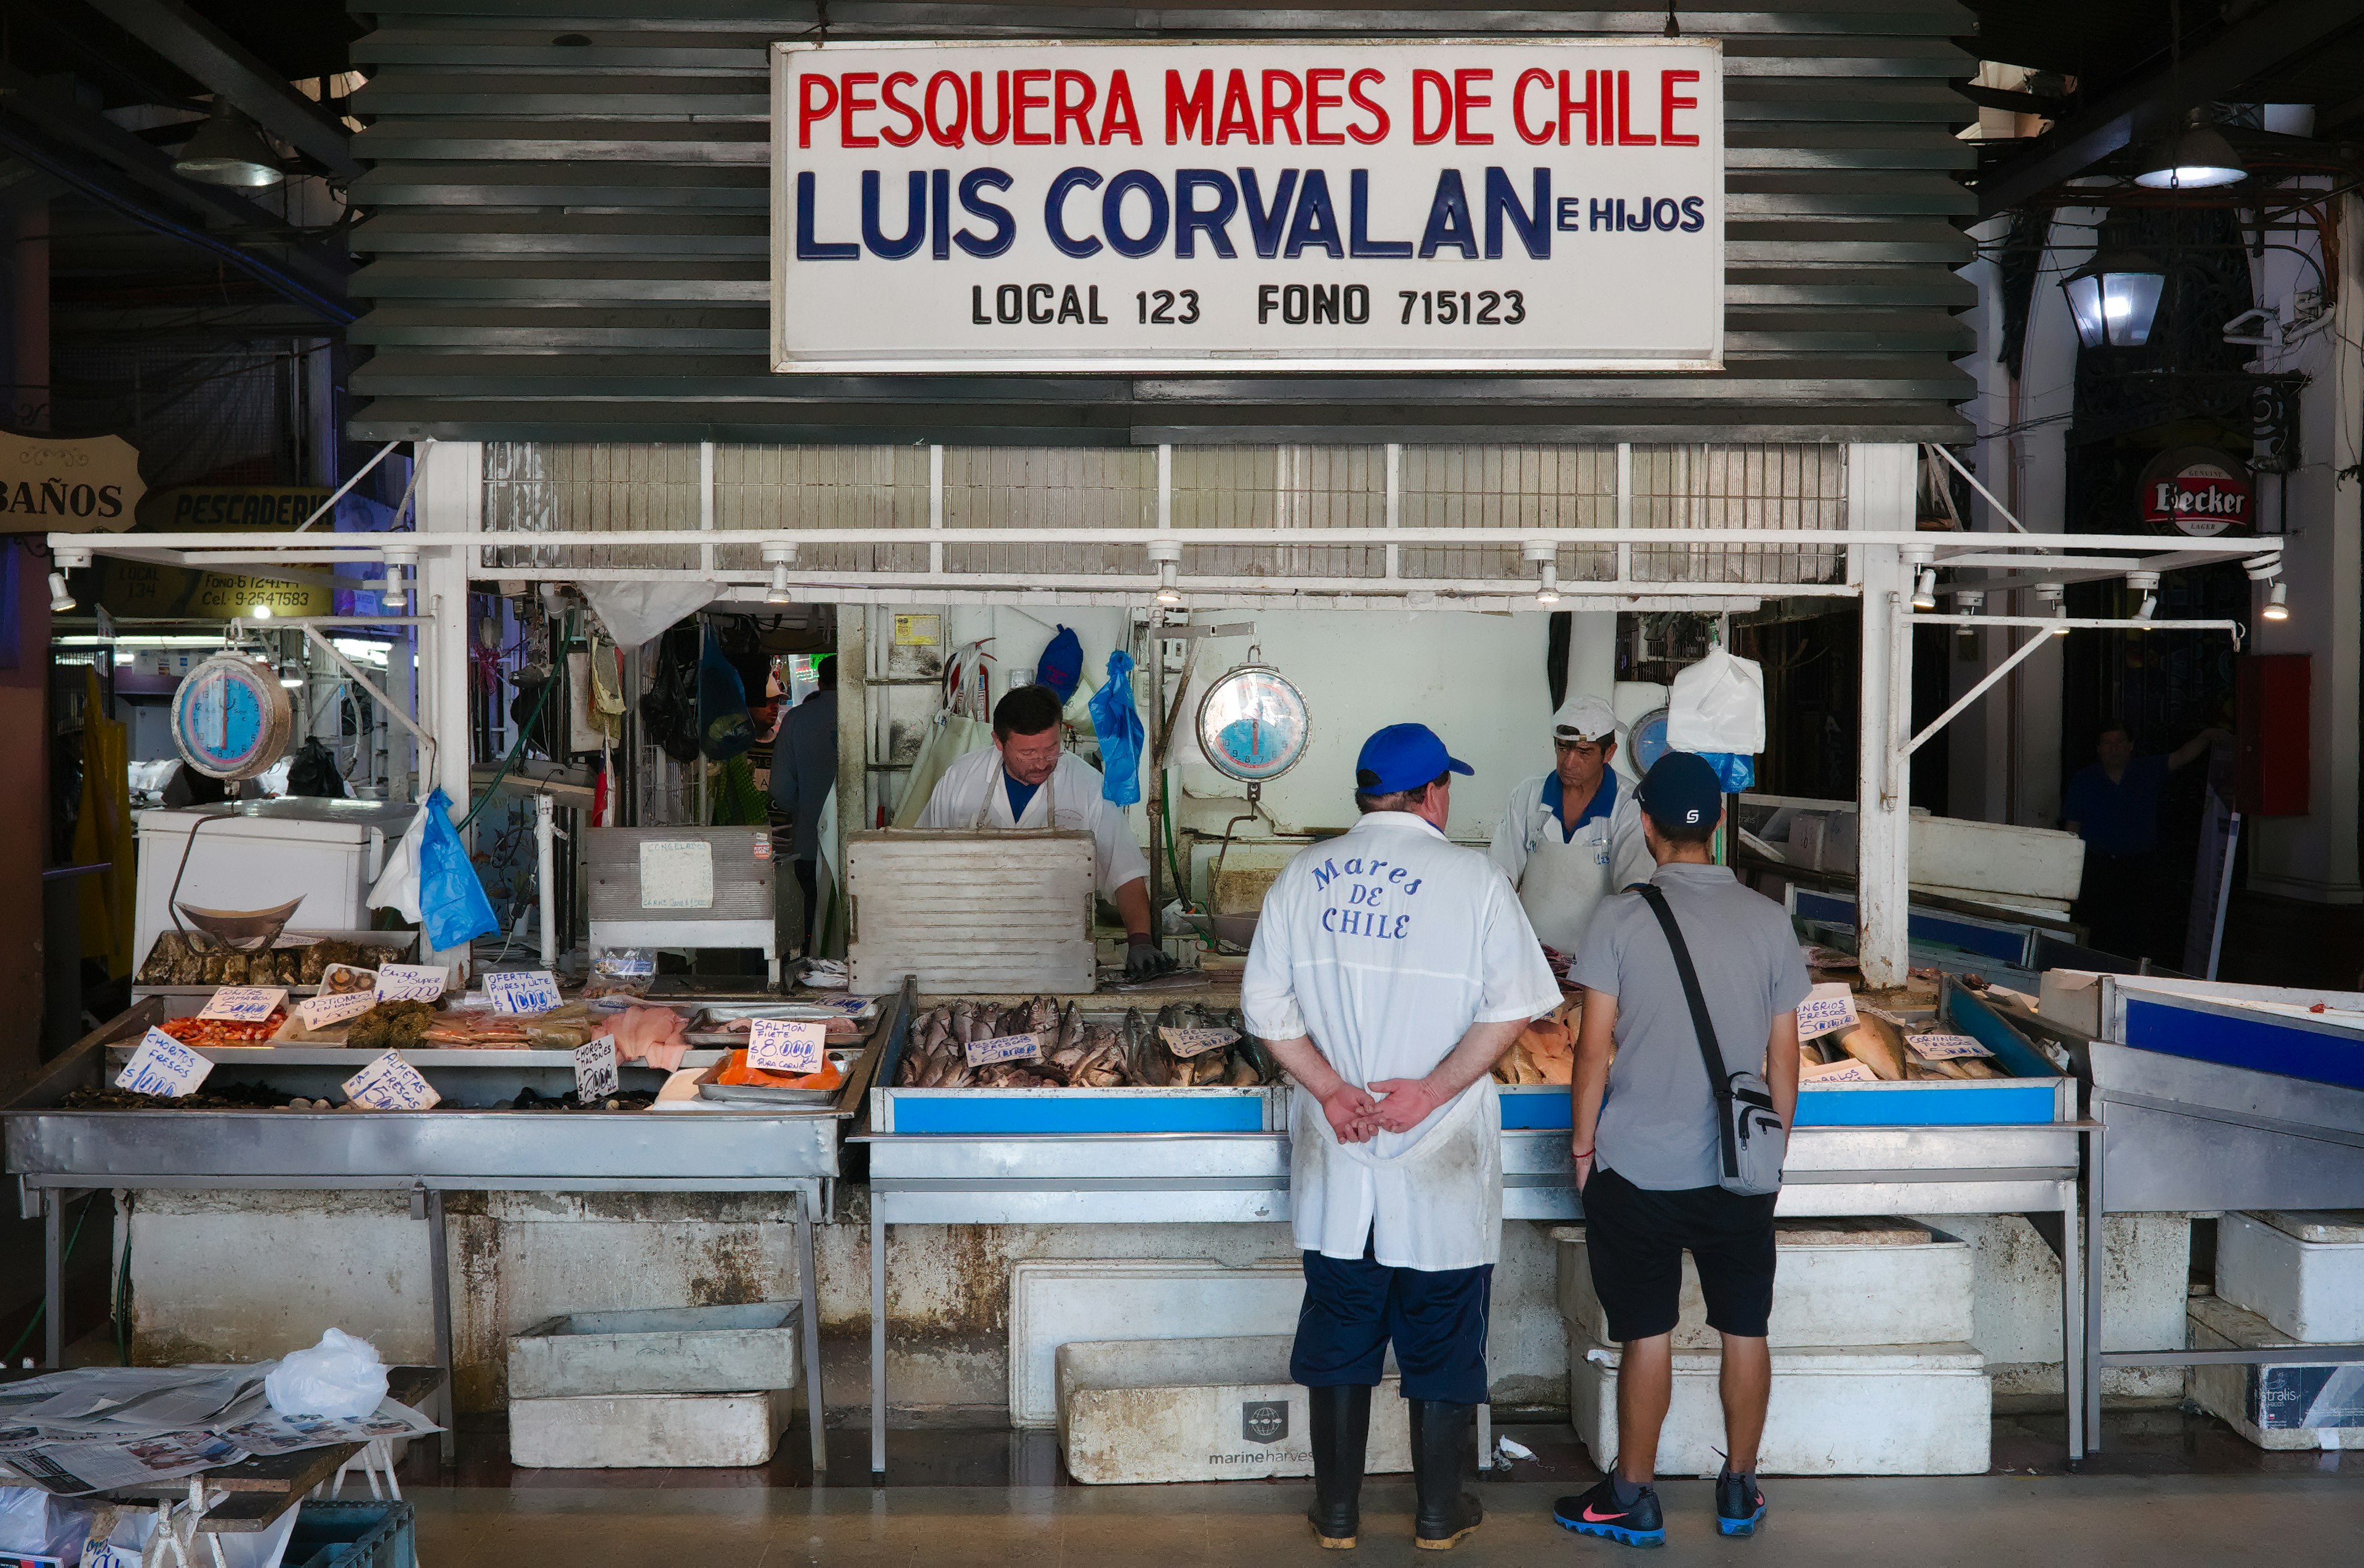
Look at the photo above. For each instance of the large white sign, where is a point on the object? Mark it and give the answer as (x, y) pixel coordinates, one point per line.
(1554, 204)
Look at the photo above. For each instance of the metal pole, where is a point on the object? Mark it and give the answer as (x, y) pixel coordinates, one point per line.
(2073, 1264)
(877, 1342)
(1882, 480)
(545, 847)
(53, 1278)
(2096, 1239)
(809, 1291)
(439, 1271)
(1975, 693)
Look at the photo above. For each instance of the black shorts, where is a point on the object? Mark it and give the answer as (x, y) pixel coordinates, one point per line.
(1634, 1240)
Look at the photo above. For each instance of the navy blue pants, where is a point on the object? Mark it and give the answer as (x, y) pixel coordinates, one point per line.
(1436, 1319)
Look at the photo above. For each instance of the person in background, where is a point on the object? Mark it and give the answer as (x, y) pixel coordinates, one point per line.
(1572, 837)
(1390, 970)
(804, 774)
(2112, 804)
(1030, 781)
(1648, 1151)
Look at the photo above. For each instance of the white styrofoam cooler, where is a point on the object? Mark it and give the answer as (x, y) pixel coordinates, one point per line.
(667, 1349)
(329, 852)
(1216, 1409)
(647, 1431)
(2318, 1405)
(2301, 1271)
(1053, 1302)
(1839, 1282)
(1868, 1410)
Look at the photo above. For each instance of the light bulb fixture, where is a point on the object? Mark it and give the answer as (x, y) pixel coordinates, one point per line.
(2055, 600)
(1167, 554)
(1543, 555)
(2196, 158)
(228, 151)
(2146, 584)
(778, 554)
(1969, 601)
(395, 595)
(61, 597)
(2115, 298)
(2278, 601)
(1924, 589)
(257, 612)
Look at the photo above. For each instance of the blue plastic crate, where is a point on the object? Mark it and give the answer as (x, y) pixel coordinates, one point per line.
(368, 1533)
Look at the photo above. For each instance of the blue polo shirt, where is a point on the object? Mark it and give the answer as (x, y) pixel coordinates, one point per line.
(1021, 795)
(2119, 819)
(1603, 802)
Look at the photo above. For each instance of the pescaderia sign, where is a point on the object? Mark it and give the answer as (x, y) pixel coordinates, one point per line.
(1502, 205)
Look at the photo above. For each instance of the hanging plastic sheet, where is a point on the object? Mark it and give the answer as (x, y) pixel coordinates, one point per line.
(452, 902)
(1118, 723)
(951, 735)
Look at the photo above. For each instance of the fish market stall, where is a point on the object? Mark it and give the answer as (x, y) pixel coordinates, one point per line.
(2247, 1101)
(492, 1103)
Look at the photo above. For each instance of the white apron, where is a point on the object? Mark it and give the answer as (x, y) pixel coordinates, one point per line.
(1565, 880)
(1443, 1196)
(994, 781)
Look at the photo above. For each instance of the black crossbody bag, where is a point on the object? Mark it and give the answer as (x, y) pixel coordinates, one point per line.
(1754, 1140)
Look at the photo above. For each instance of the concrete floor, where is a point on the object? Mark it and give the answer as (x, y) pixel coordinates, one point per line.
(2168, 1488)
(1990, 1521)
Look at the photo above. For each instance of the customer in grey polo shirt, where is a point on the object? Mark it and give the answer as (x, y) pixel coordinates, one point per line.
(1647, 1151)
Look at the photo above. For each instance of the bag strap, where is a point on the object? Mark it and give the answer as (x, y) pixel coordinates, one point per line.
(1719, 1081)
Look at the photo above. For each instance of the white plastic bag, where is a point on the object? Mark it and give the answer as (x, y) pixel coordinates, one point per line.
(397, 887)
(1718, 705)
(341, 1376)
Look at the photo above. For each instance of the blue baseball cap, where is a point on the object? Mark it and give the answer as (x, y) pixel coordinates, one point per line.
(1680, 791)
(1404, 756)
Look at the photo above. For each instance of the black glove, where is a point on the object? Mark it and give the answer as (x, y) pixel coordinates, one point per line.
(1144, 959)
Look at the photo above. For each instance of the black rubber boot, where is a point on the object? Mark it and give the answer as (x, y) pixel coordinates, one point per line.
(1440, 1447)
(1340, 1419)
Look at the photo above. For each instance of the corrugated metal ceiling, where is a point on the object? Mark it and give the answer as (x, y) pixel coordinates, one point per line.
(570, 217)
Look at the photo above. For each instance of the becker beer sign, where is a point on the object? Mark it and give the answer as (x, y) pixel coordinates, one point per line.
(1549, 204)
(2197, 491)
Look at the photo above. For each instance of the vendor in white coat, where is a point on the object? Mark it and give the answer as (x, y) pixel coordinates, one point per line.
(1028, 781)
(1392, 969)
(1573, 837)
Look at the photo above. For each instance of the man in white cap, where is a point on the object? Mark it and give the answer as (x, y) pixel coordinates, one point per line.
(1572, 837)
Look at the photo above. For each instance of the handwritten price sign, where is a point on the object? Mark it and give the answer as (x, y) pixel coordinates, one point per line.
(1827, 1009)
(244, 1004)
(1187, 1043)
(783, 1045)
(1945, 1046)
(411, 982)
(522, 991)
(390, 1084)
(319, 1012)
(163, 1065)
(594, 1069)
(1005, 1047)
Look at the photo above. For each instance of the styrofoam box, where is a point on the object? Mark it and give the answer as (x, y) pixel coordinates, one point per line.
(2279, 1406)
(2300, 1270)
(1053, 1302)
(647, 1431)
(673, 1349)
(1838, 1282)
(1977, 856)
(1871, 1410)
(1216, 1409)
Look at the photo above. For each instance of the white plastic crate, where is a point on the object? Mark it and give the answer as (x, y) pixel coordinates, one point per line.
(1215, 1409)
(1838, 1283)
(2300, 1270)
(1870, 1410)
(2281, 1406)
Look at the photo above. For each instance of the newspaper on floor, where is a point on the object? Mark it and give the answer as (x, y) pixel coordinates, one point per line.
(108, 1429)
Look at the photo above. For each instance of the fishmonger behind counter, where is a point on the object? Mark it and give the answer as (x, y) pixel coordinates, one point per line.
(1028, 782)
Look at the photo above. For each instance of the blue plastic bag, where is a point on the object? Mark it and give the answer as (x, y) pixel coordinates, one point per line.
(452, 902)
(1061, 664)
(724, 729)
(1737, 769)
(1118, 723)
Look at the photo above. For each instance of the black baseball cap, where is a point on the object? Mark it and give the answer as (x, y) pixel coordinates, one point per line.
(1680, 791)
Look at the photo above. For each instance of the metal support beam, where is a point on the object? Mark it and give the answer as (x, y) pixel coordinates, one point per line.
(2149, 105)
(206, 52)
(1975, 693)
(1882, 480)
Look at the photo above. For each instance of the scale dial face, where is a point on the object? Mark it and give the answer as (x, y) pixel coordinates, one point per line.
(1253, 725)
(229, 717)
(1648, 738)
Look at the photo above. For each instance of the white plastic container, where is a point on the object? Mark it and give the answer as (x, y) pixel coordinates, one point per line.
(2301, 1271)
(1838, 1283)
(1053, 1302)
(647, 1431)
(673, 1349)
(329, 852)
(2281, 1406)
(1872, 1410)
(1216, 1409)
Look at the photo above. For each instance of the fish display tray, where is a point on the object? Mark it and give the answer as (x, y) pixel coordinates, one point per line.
(2035, 1093)
(986, 1113)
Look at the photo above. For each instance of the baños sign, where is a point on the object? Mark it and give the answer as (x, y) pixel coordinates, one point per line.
(52, 485)
(1502, 205)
